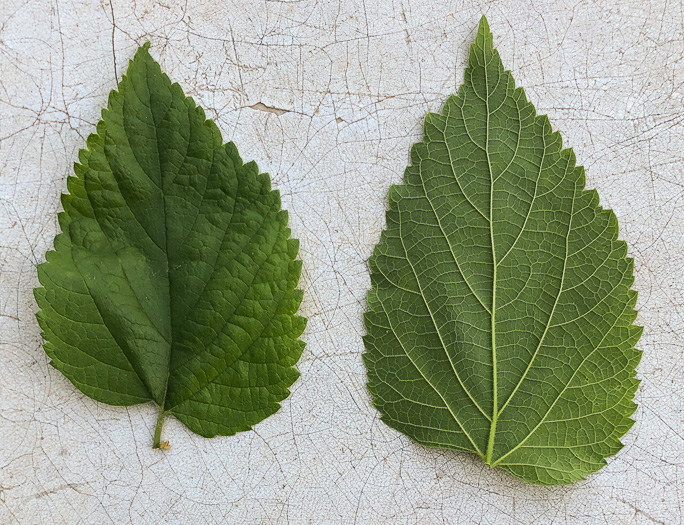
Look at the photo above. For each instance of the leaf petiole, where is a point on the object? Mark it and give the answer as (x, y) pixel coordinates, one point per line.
(158, 429)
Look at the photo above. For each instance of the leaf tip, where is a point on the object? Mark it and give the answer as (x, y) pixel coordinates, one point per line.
(143, 53)
(483, 28)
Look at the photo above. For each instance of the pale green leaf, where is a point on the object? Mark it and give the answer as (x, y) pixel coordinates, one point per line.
(501, 316)
(173, 280)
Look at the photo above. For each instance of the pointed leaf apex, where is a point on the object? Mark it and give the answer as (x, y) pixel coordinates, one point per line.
(483, 28)
(143, 50)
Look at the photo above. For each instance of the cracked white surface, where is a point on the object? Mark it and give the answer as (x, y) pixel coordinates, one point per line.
(328, 97)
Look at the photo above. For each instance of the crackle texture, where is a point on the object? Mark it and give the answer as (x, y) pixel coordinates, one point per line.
(329, 97)
(500, 318)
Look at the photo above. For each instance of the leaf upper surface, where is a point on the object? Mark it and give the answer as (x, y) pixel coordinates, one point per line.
(174, 277)
(501, 313)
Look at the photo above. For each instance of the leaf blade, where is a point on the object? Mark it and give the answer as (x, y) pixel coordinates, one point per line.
(494, 213)
(174, 277)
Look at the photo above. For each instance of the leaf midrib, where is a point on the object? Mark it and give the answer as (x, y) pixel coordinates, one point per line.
(166, 245)
(495, 410)
(162, 191)
(492, 428)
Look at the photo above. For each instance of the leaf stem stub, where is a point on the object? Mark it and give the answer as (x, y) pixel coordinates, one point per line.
(158, 429)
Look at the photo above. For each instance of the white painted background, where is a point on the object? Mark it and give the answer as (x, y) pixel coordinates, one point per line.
(353, 81)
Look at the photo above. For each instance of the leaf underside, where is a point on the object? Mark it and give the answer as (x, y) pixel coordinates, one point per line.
(174, 277)
(501, 313)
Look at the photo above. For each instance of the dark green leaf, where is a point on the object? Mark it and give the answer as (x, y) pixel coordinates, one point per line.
(173, 280)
